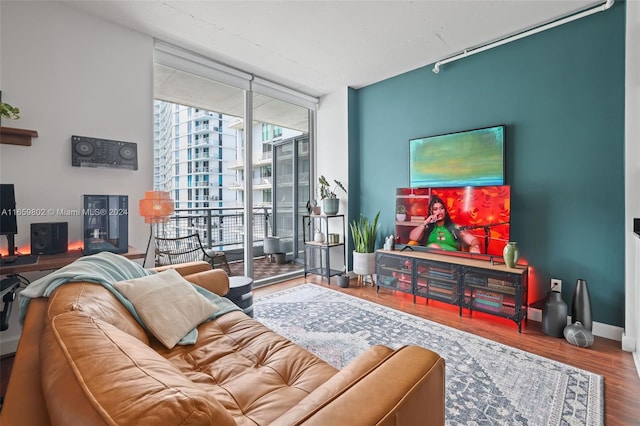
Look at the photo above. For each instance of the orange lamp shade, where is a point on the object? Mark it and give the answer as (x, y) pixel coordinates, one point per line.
(156, 207)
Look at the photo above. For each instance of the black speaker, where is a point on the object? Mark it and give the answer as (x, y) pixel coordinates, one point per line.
(49, 237)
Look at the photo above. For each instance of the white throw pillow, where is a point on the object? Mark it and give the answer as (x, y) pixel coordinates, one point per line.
(168, 304)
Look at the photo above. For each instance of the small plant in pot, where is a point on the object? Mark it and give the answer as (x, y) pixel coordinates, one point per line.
(401, 212)
(313, 207)
(364, 234)
(343, 278)
(330, 200)
(9, 112)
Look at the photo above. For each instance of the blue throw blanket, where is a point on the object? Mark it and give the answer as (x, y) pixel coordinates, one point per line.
(105, 269)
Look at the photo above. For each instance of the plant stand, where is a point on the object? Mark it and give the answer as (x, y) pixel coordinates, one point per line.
(362, 282)
(364, 264)
(317, 255)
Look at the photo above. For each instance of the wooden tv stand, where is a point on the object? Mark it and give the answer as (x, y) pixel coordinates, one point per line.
(473, 284)
(57, 261)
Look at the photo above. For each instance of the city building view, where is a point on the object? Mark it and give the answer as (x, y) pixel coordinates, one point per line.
(199, 160)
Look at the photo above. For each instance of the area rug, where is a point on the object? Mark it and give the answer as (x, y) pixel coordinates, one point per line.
(487, 383)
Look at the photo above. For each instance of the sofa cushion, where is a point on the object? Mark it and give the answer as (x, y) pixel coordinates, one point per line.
(253, 372)
(93, 373)
(168, 305)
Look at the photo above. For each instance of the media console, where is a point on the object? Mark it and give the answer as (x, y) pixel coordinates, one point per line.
(476, 285)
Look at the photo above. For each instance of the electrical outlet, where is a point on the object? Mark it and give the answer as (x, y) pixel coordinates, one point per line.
(556, 285)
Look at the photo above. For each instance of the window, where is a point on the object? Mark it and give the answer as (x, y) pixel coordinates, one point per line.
(207, 103)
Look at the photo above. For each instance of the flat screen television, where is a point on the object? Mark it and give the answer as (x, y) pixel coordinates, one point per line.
(478, 214)
(472, 157)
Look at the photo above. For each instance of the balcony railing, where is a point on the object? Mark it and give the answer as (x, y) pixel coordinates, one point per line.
(219, 227)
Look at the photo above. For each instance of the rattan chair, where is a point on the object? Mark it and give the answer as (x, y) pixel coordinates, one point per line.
(170, 251)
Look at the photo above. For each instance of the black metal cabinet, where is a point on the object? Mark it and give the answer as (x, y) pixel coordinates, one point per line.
(437, 280)
(494, 292)
(317, 254)
(472, 284)
(395, 272)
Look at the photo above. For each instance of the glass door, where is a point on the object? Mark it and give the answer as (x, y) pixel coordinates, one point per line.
(291, 194)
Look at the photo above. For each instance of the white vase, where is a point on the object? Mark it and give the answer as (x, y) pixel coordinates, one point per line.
(319, 237)
(364, 263)
(401, 217)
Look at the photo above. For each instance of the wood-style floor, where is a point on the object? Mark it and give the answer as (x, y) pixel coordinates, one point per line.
(604, 357)
(621, 381)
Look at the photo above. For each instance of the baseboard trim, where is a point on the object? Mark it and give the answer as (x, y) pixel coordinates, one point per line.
(628, 343)
(636, 360)
(599, 329)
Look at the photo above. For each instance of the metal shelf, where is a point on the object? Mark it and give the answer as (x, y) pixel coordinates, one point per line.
(317, 255)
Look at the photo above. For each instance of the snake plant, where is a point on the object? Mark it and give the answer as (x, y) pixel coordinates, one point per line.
(364, 233)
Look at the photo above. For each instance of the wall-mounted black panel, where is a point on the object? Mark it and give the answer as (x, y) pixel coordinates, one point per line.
(94, 152)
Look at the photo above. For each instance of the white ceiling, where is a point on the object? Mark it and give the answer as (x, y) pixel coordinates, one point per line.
(317, 47)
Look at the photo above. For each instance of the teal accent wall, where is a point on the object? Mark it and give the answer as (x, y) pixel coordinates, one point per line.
(561, 95)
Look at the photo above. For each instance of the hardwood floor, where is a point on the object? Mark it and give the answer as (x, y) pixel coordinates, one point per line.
(621, 381)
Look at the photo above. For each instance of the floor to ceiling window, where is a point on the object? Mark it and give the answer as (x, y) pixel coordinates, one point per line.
(288, 146)
(220, 172)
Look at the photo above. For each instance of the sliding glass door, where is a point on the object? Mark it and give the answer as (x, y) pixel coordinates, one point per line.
(219, 170)
(291, 193)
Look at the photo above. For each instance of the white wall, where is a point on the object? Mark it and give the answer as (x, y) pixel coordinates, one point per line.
(72, 74)
(631, 337)
(332, 151)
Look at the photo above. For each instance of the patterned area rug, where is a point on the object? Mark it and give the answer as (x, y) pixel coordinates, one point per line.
(487, 383)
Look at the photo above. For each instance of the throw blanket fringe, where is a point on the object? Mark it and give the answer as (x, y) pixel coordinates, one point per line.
(106, 268)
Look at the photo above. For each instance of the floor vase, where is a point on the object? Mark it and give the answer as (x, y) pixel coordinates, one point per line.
(554, 315)
(581, 305)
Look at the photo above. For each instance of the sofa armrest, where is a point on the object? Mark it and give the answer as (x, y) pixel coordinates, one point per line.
(24, 402)
(406, 388)
(214, 280)
(200, 273)
(186, 268)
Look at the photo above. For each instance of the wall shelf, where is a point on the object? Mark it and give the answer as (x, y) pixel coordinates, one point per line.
(13, 136)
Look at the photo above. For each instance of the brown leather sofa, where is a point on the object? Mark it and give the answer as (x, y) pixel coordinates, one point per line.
(84, 360)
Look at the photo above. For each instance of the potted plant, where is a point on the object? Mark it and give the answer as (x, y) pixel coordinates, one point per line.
(364, 234)
(8, 111)
(343, 278)
(330, 200)
(9, 134)
(401, 212)
(313, 207)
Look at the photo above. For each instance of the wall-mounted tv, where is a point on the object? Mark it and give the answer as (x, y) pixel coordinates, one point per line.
(472, 157)
(472, 219)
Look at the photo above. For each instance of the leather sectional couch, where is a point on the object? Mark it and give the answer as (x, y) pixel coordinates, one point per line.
(83, 359)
